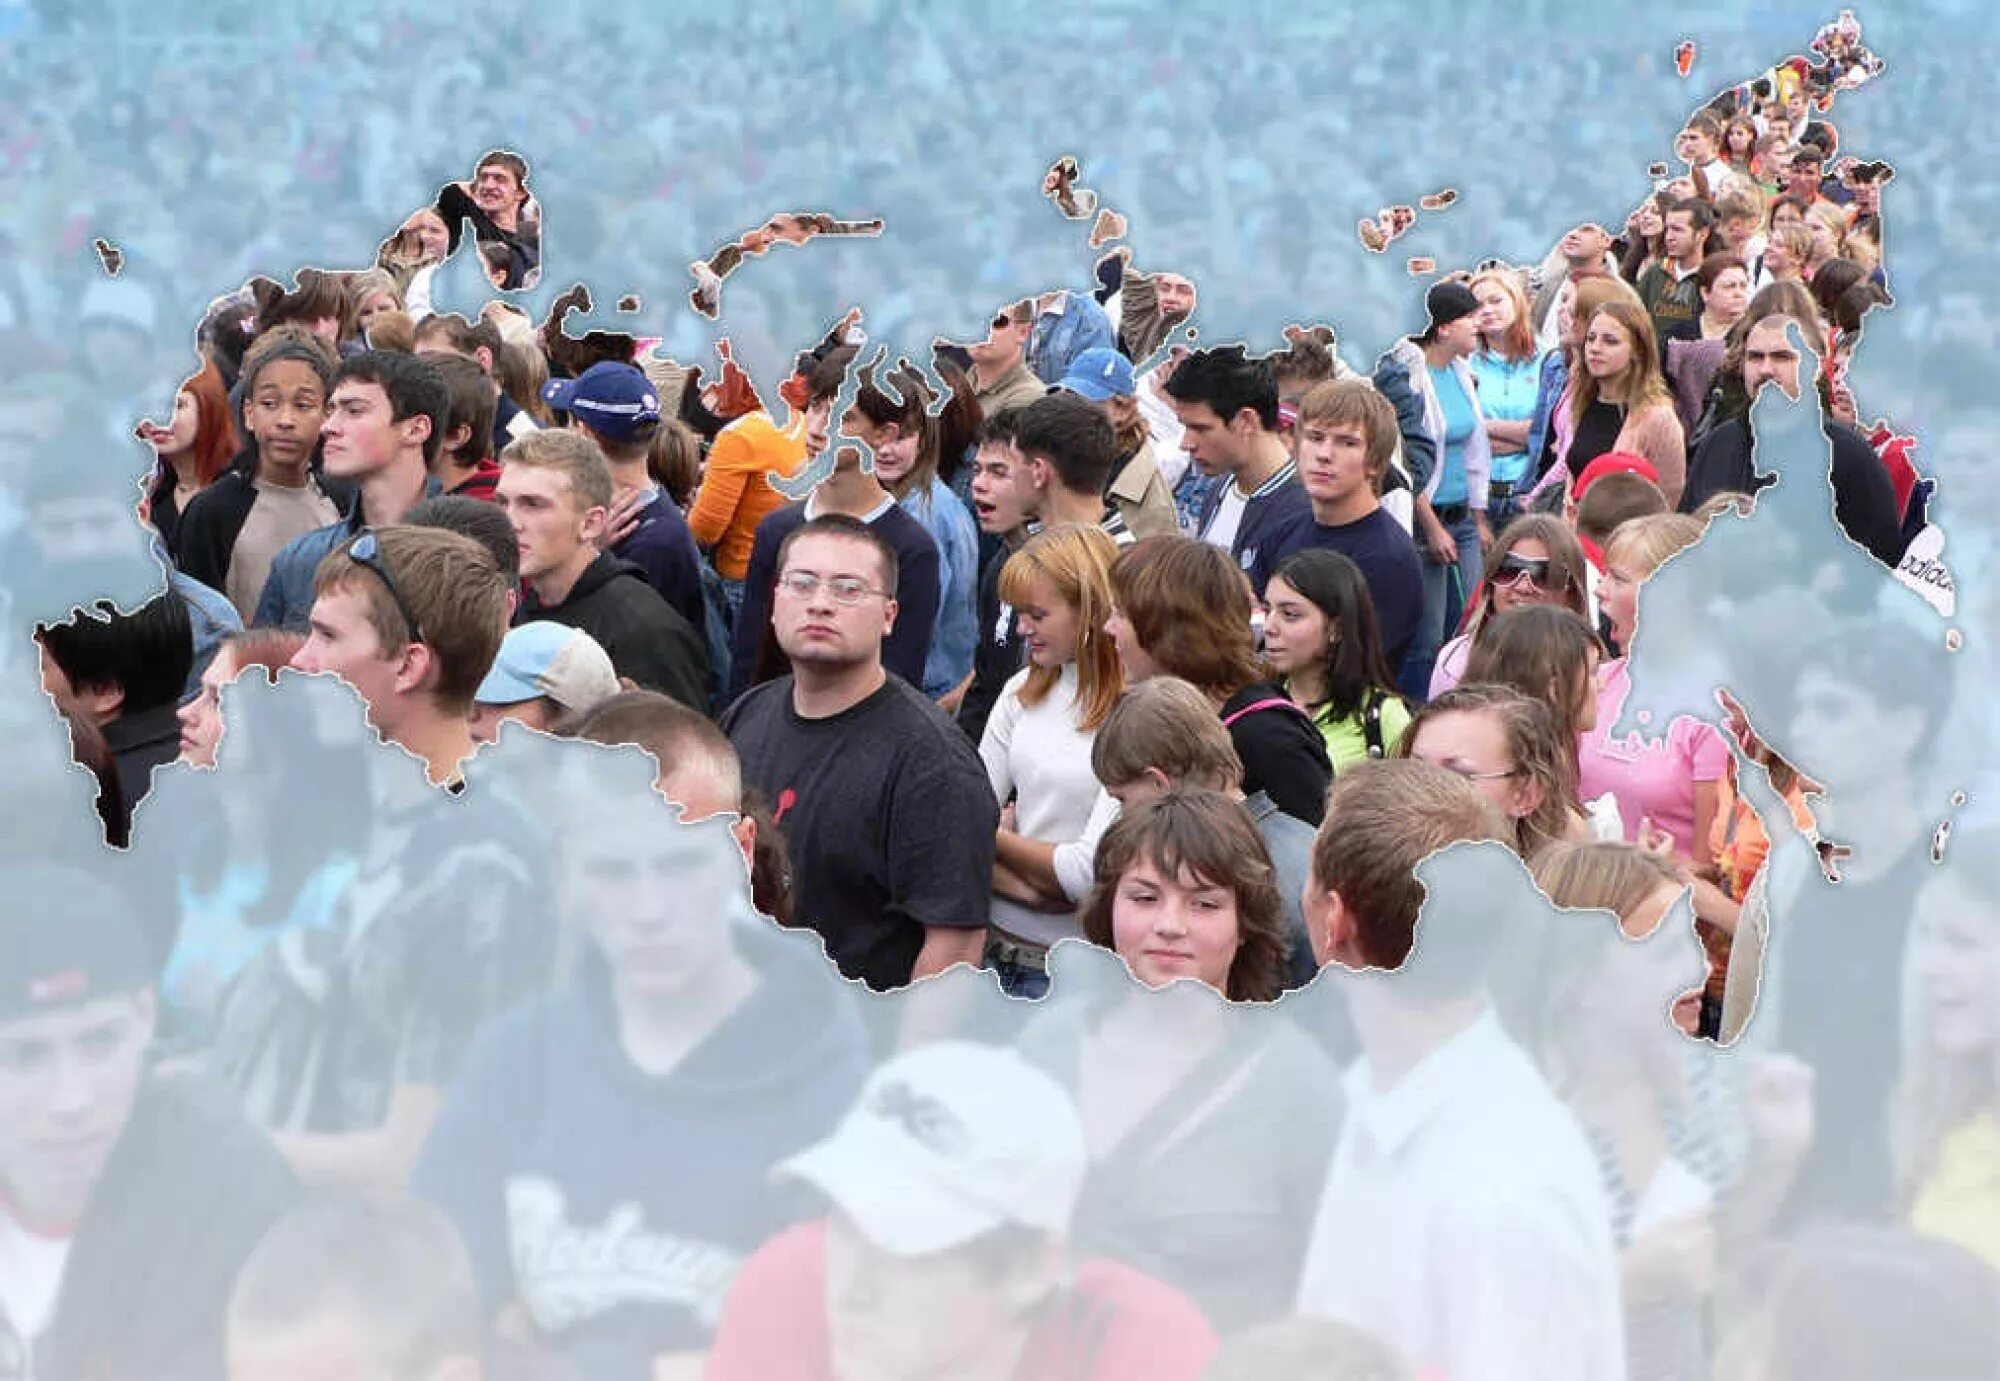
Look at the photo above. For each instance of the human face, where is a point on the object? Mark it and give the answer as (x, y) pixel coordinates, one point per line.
(1297, 633)
(1005, 339)
(1174, 927)
(1958, 965)
(1694, 148)
(914, 1318)
(1682, 241)
(1132, 658)
(1786, 213)
(431, 233)
(372, 306)
(1586, 694)
(496, 190)
(1460, 337)
(285, 410)
(341, 639)
(818, 416)
(1174, 293)
(69, 1078)
(550, 524)
(1778, 260)
(1586, 244)
(1515, 588)
(201, 717)
(1802, 181)
(1741, 139)
(817, 629)
(1496, 309)
(360, 436)
(1618, 600)
(486, 720)
(1728, 295)
(1217, 447)
(1735, 232)
(1825, 240)
(1607, 350)
(1566, 331)
(1473, 744)
(1769, 357)
(1333, 462)
(1000, 488)
(333, 1345)
(654, 899)
(179, 434)
(1650, 223)
(1051, 627)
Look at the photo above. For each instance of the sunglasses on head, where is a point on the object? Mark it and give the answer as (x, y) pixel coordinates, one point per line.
(366, 551)
(1512, 568)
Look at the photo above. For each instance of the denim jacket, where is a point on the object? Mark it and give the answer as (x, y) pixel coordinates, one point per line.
(1555, 378)
(1073, 325)
(956, 635)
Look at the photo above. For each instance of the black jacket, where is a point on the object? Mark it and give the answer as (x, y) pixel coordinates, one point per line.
(214, 518)
(190, 1190)
(1864, 499)
(647, 638)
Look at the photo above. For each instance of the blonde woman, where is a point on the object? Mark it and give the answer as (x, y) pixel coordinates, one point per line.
(1621, 401)
(1037, 741)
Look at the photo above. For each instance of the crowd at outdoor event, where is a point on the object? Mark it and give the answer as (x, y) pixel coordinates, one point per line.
(418, 1067)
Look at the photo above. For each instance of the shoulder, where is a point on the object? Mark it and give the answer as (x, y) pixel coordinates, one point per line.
(905, 532)
(757, 705)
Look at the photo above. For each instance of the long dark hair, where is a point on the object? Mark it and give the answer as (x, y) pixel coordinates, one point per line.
(1355, 663)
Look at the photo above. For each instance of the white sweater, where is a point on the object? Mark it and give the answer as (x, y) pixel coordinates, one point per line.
(1037, 756)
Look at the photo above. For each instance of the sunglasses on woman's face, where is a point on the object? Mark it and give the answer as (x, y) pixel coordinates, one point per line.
(1512, 568)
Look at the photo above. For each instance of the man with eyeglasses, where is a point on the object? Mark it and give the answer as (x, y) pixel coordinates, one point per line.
(884, 803)
(412, 619)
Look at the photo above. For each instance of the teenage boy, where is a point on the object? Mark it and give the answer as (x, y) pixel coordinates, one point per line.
(1669, 289)
(127, 1199)
(383, 430)
(697, 1035)
(125, 674)
(885, 805)
(1067, 450)
(411, 618)
(851, 491)
(448, 333)
(616, 406)
(1463, 1219)
(1227, 405)
(464, 464)
(544, 672)
(951, 1186)
(556, 488)
(1347, 433)
(354, 1285)
(1000, 651)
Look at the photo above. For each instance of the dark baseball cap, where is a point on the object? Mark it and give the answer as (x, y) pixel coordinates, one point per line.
(66, 938)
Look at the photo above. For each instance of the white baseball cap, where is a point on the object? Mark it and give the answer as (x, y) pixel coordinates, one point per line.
(544, 658)
(947, 1142)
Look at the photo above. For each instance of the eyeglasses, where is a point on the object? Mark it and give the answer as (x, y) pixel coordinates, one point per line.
(1512, 568)
(846, 590)
(1479, 776)
(365, 550)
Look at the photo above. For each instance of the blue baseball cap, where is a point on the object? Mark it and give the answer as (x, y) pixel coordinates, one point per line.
(549, 659)
(609, 397)
(1099, 373)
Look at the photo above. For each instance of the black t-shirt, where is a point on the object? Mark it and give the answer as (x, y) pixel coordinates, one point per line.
(887, 814)
(1388, 560)
(1595, 434)
(1283, 754)
(998, 655)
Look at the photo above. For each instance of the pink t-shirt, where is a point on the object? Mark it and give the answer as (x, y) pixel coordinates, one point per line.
(1119, 1323)
(1650, 777)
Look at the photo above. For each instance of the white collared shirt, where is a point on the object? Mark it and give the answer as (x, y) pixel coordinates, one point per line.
(1464, 1221)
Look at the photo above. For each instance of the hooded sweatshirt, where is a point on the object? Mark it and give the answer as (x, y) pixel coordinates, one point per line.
(646, 638)
(617, 1206)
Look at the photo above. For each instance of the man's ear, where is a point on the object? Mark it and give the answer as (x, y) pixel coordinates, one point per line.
(590, 523)
(414, 668)
(456, 439)
(416, 428)
(485, 358)
(889, 611)
(745, 831)
(1336, 938)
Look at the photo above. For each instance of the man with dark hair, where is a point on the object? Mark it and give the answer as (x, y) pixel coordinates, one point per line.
(448, 333)
(1067, 449)
(357, 1285)
(556, 489)
(464, 463)
(128, 1199)
(999, 653)
(1805, 175)
(384, 427)
(1669, 289)
(1227, 405)
(502, 212)
(884, 803)
(125, 674)
(485, 524)
(617, 406)
(851, 491)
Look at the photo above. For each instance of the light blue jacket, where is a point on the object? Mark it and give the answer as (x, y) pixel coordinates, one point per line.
(956, 634)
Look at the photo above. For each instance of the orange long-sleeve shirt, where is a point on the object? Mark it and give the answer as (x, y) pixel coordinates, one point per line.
(736, 494)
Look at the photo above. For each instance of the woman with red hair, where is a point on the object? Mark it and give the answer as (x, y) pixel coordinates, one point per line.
(191, 451)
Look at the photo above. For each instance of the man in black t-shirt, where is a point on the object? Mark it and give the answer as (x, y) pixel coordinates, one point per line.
(884, 805)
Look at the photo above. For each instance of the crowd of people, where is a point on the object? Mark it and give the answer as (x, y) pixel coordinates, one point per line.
(498, 1055)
